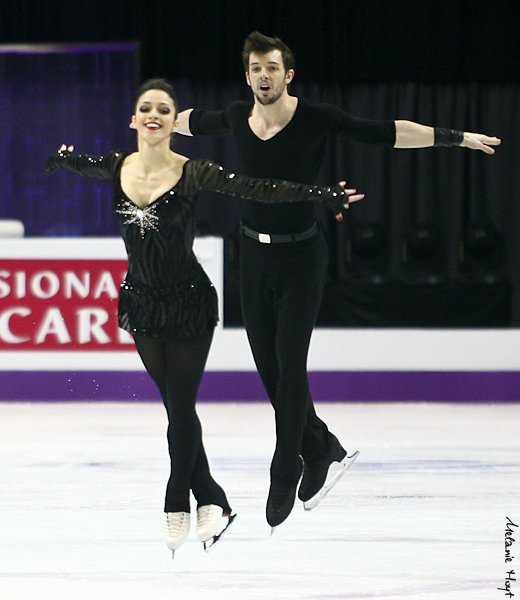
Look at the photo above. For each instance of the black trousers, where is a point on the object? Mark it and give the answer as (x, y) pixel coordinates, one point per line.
(177, 368)
(281, 291)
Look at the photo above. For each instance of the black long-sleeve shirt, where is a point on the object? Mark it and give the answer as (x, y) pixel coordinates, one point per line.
(295, 153)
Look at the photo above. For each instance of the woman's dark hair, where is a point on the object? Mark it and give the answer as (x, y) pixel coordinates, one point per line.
(261, 44)
(158, 83)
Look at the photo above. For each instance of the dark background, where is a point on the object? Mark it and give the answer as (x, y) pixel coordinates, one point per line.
(348, 41)
(435, 242)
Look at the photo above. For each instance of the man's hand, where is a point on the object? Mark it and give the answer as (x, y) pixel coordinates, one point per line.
(479, 141)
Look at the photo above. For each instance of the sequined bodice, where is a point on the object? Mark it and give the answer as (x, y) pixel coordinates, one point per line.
(166, 293)
(159, 237)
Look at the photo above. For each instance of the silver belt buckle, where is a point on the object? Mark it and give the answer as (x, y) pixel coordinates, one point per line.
(264, 238)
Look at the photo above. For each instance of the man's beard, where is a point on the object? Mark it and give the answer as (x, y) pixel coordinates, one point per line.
(269, 100)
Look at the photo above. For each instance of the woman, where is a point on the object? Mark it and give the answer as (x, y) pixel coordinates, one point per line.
(167, 302)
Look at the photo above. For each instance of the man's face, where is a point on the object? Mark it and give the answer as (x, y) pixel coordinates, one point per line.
(267, 76)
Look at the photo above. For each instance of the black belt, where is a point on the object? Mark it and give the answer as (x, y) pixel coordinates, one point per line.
(279, 238)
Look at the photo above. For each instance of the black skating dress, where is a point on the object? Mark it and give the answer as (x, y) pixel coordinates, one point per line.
(166, 293)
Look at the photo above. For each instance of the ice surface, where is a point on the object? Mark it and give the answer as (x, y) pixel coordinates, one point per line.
(421, 514)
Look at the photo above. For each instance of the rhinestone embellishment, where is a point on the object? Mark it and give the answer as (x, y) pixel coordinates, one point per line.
(146, 218)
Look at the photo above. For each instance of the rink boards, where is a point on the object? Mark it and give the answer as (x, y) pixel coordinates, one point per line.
(59, 337)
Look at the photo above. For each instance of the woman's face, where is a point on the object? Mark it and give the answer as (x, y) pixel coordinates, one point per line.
(155, 115)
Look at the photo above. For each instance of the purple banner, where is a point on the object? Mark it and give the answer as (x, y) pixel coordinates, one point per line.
(337, 386)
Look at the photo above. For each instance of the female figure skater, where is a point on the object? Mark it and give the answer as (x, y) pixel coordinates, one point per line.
(167, 302)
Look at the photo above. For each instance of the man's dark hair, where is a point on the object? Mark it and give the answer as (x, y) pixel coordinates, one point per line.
(158, 83)
(261, 44)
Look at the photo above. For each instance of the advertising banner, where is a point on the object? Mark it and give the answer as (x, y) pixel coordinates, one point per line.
(61, 305)
(59, 299)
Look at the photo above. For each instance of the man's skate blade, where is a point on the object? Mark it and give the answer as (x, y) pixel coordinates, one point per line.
(344, 466)
(212, 542)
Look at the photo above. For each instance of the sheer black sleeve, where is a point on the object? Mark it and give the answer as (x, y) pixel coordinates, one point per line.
(86, 165)
(210, 176)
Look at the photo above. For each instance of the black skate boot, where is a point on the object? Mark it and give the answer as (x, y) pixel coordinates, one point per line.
(280, 502)
(315, 474)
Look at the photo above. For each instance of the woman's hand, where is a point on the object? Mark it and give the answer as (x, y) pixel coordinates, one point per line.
(352, 197)
(65, 148)
(54, 160)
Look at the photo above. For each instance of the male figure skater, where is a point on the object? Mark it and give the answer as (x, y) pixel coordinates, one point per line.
(284, 255)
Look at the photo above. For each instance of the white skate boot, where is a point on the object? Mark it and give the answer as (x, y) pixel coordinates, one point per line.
(176, 529)
(209, 528)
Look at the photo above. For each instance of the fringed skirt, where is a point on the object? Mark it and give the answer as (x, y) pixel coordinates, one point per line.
(180, 312)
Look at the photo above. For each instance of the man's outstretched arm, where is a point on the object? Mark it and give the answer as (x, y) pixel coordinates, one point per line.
(414, 135)
(184, 122)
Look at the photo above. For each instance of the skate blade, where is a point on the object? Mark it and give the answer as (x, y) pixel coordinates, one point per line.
(212, 542)
(344, 466)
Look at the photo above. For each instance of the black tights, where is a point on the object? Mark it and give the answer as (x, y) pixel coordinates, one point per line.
(177, 368)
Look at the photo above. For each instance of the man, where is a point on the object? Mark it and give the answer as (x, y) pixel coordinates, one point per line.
(284, 255)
